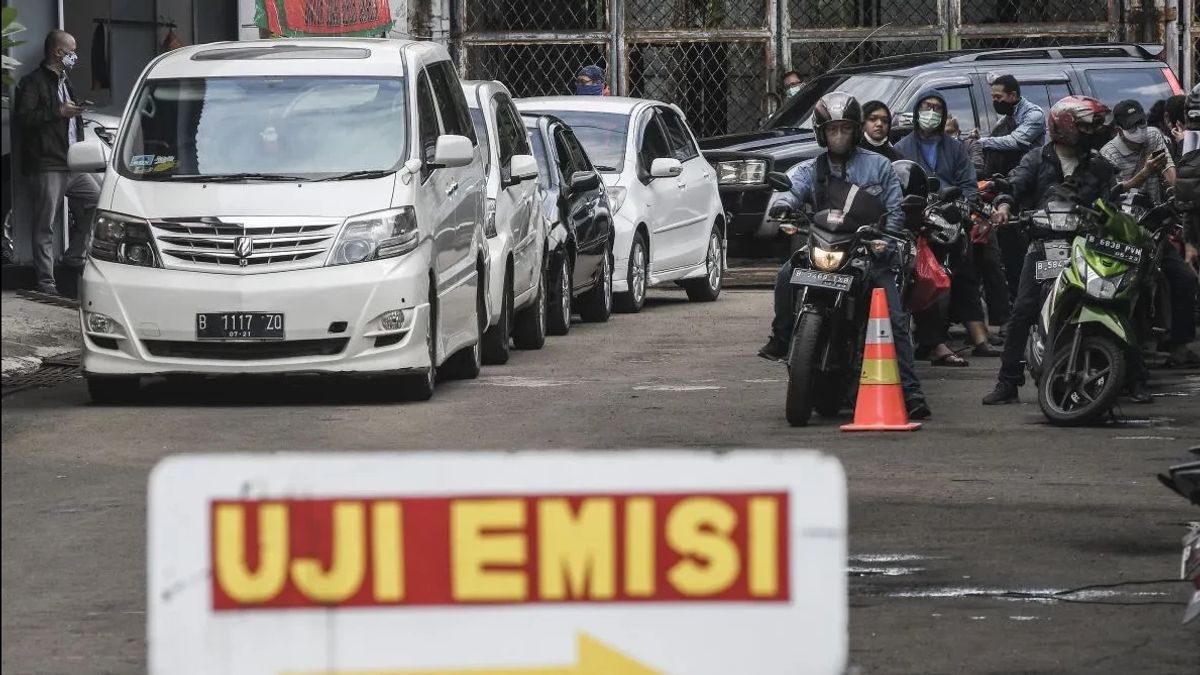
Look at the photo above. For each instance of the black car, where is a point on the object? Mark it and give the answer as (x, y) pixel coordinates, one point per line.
(579, 225)
(1109, 72)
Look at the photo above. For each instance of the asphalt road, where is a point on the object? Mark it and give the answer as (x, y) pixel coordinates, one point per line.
(961, 534)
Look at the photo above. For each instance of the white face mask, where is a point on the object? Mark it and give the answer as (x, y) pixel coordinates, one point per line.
(794, 89)
(1137, 136)
(69, 60)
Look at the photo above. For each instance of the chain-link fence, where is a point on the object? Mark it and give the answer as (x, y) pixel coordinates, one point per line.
(696, 14)
(534, 69)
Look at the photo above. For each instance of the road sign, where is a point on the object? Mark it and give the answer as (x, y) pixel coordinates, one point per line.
(631, 562)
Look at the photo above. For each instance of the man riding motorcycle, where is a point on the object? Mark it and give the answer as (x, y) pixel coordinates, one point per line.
(1078, 129)
(843, 168)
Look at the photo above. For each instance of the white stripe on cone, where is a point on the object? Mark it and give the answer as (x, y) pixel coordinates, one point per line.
(879, 332)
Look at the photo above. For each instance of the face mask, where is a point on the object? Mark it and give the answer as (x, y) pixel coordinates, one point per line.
(793, 90)
(589, 89)
(929, 120)
(1137, 136)
(840, 144)
(69, 60)
(1004, 107)
(1091, 141)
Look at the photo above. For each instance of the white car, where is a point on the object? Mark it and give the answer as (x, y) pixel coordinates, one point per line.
(513, 225)
(669, 222)
(288, 206)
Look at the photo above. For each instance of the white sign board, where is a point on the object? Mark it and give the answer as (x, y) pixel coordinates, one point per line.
(403, 563)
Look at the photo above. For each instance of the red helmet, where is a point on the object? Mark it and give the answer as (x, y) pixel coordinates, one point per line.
(1074, 116)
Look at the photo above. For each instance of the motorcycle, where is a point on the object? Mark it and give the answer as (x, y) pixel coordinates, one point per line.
(1184, 480)
(1077, 349)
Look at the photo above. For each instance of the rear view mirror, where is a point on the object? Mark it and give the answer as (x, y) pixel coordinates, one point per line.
(89, 156)
(665, 167)
(779, 182)
(522, 168)
(584, 181)
(949, 194)
(109, 136)
(932, 184)
(453, 151)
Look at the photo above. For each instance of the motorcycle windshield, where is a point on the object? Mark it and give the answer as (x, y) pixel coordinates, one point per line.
(1120, 226)
(835, 223)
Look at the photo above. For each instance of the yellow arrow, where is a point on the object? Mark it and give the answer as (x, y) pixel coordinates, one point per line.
(595, 658)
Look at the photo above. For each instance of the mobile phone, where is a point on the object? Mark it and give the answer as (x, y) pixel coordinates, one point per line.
(1159, 154)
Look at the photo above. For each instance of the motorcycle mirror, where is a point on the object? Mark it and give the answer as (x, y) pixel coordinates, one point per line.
(779, 182)
(932, 184)
(950, 194)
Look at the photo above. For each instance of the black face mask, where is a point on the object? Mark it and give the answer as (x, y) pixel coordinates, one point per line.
(1093, 141)
(1004, 107)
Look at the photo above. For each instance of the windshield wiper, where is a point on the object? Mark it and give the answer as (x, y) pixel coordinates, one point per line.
(232, 177)
(603, 168)
(366, 173)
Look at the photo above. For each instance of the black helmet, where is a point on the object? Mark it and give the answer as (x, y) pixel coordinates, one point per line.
(913, 179)
(835, 107)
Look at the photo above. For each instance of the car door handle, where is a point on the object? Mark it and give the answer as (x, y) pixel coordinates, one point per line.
(681, 185)
(451, 189)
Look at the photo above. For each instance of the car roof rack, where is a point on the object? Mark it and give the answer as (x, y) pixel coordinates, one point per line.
(1098, 50)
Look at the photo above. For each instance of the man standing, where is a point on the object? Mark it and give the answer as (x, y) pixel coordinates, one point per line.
(49, 122)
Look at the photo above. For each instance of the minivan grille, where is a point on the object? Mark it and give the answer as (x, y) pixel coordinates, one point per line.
(251, 245)
(246, 351)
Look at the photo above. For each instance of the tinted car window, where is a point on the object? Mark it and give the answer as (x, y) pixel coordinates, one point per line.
(1055, 93)
(579, 157)
(480, 125)
(428, 116)
(602, 135)
(654, 144)
(452, 103)
(1146, 85)
(960, 106)
(797, 112)
(545, 166)
(1038, 94)
(681, 141)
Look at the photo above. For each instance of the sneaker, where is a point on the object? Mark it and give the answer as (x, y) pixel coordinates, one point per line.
(1003, 393)
(48, 289)
(918, 409)
(774, 350)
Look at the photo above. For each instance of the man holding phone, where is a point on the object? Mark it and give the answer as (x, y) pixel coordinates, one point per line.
(1139, 153)
(49, 121)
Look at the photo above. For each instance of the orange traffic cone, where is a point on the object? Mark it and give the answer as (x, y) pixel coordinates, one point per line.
(880, 405)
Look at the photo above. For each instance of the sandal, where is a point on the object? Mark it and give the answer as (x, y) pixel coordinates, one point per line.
(950, 361)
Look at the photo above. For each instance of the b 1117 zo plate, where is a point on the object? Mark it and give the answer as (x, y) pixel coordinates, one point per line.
(835, 282)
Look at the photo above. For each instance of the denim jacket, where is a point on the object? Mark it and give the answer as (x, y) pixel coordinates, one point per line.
(1029, 132)
(869, 171)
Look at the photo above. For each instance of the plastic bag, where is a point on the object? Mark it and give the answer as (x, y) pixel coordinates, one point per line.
(930, 280)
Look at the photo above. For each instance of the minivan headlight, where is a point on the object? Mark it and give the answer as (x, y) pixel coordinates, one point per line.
(373, 236)
(119, 238)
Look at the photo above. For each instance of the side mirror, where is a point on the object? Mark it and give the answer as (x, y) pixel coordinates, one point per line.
(87, 157)
(522, 168)
(453, 151)
(665, 167)
(950, 194)
(779, 181)
(933, 185)
(584, 181)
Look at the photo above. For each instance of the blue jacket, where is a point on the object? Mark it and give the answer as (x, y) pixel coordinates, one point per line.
(1029, 122)
(954, 166)
(871, 172)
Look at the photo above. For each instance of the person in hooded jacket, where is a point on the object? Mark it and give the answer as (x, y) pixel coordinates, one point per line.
(937, 153)
(877, 130)
(589, 81)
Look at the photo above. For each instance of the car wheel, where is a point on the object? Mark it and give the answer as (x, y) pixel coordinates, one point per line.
(113, 390)
(597, 303)
(633, 301)
(708, 288)
(468, 361)
(558, 318)
(420, 387)
(496, 339)
(529, 332)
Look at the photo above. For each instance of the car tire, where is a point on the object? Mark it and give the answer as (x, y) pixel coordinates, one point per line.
(708, 288)
(529, 331)
(597, 304)
(558, 314)
(107, 390)
(420, 387)
(468, 361)
(638, 276)
(496, 341)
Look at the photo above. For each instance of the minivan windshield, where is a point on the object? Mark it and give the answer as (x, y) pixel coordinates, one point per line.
(285, 128)
(602, 135)
(797, 112)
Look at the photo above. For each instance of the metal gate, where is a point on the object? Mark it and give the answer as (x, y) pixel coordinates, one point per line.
(720, 60)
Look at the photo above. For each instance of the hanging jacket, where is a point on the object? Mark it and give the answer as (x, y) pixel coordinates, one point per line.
(954, 165)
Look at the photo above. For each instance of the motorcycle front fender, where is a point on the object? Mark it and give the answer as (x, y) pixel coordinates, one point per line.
(1110, 321)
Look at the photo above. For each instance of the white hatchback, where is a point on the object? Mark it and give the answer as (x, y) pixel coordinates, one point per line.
(288, 206)
(670, 225)
(512, 223)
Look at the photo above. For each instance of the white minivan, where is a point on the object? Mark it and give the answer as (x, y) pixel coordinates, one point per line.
(288, 206)
(512, 223)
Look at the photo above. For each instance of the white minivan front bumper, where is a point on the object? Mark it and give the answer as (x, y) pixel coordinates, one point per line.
(155, 315)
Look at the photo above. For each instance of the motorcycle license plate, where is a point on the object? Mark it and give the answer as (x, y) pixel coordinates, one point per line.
(1049, 269)
(1114, 249)
(836, 282)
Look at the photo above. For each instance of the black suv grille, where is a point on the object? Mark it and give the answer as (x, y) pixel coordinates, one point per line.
(246, 351)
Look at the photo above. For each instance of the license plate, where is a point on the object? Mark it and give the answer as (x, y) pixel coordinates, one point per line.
(836, 282)
(1049, 269)
(1114, 249)
(239, 326)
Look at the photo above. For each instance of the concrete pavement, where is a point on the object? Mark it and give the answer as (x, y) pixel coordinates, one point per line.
(33, 331)
(966, 538)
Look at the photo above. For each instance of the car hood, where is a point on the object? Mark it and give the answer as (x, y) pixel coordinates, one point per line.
(337, 199)
(785, 146)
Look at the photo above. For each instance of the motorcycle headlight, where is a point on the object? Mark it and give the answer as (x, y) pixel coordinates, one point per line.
(741, 172)
(1101, 288)
(1063, 221)
(616, 197)
(825, 260)
(489, 218)
(373, 236)
(123, 239)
